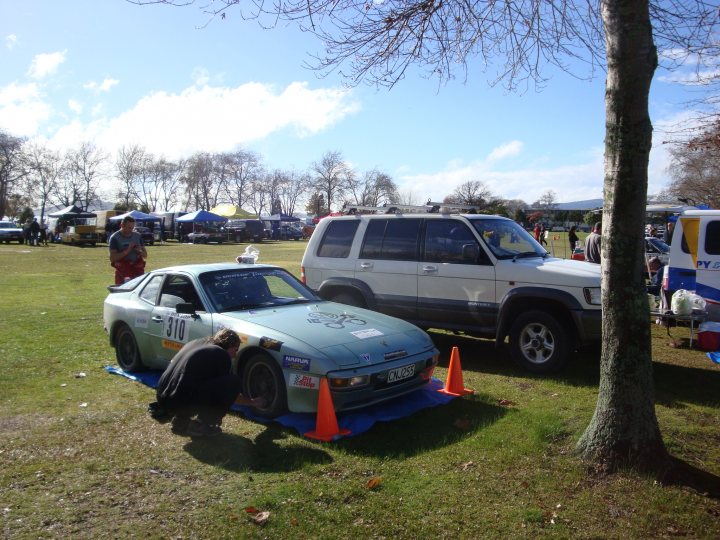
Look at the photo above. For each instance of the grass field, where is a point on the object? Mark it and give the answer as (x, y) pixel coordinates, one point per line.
(82, 458)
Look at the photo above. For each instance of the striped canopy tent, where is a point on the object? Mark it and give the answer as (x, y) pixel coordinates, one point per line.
(137, 215)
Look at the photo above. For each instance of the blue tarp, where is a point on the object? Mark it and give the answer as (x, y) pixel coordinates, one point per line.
(356, 421)
(714, 356)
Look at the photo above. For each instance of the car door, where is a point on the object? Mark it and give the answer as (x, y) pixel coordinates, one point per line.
(456, 278)
(387, 263)
(171, 330)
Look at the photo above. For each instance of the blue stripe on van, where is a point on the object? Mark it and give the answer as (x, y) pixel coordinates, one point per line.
(708, 292)
(680, 278)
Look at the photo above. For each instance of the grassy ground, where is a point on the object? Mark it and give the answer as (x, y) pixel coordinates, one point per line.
(83, 459)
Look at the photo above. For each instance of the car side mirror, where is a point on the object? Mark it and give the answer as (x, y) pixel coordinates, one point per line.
(470, 252)
(187, 308)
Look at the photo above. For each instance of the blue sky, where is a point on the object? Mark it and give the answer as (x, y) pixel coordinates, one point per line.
(115, 73)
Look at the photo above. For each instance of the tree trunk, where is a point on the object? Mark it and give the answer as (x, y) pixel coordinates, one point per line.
(624, 429)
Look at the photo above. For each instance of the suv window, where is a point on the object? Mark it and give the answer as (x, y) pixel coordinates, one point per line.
(452, 242)
(391, 239)
(338, 239)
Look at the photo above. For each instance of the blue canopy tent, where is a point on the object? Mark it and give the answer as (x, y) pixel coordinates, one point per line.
(202, 216)
(201, 222)
(136, 215)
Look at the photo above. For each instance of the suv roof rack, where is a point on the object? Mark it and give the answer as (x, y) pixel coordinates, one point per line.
(428, 208)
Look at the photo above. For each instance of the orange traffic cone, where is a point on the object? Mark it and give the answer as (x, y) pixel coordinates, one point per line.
(454, 385)
(326, 426)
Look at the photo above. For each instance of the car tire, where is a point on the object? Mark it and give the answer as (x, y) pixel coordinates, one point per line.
(348, 298)
(539, 343)
(263, 378)
(127, 352)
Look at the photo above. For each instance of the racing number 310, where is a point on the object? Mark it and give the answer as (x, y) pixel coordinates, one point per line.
(175, 329)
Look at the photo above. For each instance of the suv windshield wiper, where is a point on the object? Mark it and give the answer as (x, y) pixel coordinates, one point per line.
(526, 254)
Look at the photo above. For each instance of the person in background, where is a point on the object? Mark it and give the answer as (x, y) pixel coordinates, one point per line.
(543, 235)
(34, 232)
(592, 244)
(667, 237)
(199, 381)
(536, 232)
(44, 233)
(127, 252)
(573, 238)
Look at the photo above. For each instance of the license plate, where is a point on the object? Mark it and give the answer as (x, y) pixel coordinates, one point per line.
(401, 373)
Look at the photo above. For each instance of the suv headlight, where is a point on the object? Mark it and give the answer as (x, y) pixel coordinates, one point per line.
(592, 295)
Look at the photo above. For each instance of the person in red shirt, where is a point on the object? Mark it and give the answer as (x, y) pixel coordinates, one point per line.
(127, 252)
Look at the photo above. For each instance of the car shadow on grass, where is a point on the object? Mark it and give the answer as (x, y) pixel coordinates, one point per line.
(482, 356)
(240, 454)
(427, 429)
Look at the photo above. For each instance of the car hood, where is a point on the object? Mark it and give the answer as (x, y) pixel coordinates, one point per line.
(346, 334)
(550, 271)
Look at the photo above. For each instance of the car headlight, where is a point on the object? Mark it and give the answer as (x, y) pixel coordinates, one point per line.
(349, 382)
(592, 295)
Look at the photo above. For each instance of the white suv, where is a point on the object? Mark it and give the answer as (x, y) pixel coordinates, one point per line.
(480, 274)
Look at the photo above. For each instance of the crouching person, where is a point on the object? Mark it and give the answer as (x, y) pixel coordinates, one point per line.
(199, 382)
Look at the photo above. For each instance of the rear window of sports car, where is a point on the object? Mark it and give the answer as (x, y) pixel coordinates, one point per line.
(338, 239)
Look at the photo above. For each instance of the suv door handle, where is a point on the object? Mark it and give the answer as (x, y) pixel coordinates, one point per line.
(427, 269)
(366, 266)
(157, 318)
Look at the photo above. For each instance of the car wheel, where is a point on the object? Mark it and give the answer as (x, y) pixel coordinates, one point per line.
(126, 350)
(539, 343)
(349, 298)
(263, 378)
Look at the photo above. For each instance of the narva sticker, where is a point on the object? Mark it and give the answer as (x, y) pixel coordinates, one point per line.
(295, 362)
(304, 381)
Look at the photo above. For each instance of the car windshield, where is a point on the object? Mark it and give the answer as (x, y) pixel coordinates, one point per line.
(507, 240)
(241, 289)
(659, 245)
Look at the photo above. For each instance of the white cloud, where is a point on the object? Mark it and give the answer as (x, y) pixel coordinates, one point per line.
(104, 86)
(513, 148)
(22, 109)
(571, 183)
(46, 64)
(10, 41)
(216, 119)
(75, 106)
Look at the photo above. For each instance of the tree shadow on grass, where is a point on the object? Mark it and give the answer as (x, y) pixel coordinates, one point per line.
(676, 384)
(426, 430)
(684, 475)
(239, 454)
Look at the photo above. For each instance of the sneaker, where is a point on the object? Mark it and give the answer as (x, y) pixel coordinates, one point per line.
(201, 429)
(180, 425)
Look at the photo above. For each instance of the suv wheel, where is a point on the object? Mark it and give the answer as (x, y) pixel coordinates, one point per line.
(349, 298)
(538, 342)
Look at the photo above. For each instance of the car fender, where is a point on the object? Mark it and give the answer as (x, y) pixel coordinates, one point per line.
(334, 284)
(561, 303)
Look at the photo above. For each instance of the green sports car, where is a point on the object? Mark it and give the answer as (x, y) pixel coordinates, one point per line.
(291, 338)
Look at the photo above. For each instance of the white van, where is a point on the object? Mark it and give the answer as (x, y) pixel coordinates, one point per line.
(694, 262)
